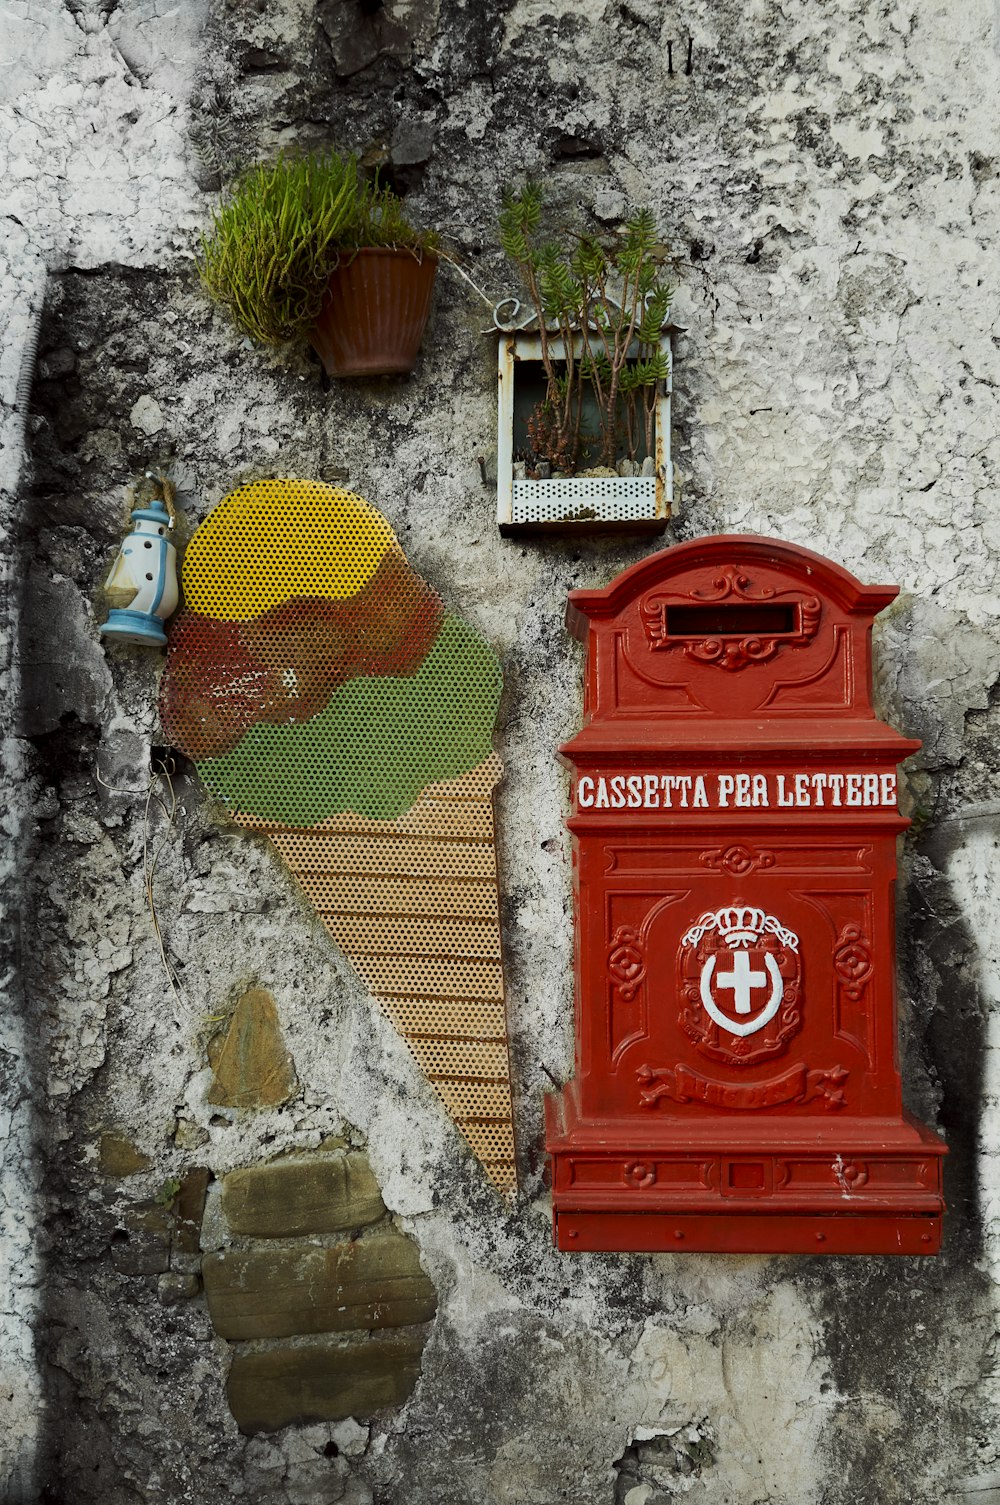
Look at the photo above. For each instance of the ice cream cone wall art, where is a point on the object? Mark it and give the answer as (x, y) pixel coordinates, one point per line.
(332, 703)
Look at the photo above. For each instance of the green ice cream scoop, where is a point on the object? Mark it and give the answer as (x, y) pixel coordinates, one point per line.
(375, 746)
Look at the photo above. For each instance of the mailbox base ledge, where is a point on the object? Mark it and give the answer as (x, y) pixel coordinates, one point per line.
(746, 1233)
(793, 1187)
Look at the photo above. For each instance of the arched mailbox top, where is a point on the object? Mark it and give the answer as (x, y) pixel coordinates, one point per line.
(764, 639)
(717, 551)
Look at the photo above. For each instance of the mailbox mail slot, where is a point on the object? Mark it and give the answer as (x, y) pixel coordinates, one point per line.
(734, 828)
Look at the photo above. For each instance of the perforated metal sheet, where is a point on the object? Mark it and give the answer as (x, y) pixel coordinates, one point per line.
(334, 705)
(605, 499)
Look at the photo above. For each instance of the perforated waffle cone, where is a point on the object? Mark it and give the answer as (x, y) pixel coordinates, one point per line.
(414, 904)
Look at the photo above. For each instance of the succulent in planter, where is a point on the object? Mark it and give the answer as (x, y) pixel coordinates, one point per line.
(307, 248)
(600, 312)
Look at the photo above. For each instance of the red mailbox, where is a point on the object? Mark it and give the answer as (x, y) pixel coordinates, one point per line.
(734, 832)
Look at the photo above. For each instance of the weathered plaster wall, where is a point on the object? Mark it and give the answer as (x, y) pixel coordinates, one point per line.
(830, 172)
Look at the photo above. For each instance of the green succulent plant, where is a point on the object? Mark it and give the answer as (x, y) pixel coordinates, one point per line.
(605, 305)
(281, 230)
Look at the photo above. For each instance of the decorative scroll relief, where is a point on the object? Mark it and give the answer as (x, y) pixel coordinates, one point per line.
(737, 860)
(797, 1085)
(852, 962)
(750, 625)
(626, 963)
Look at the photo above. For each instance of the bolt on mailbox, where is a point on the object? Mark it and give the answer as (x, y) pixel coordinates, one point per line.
(734, 826)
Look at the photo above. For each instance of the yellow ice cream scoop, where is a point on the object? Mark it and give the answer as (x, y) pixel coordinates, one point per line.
(307, 539)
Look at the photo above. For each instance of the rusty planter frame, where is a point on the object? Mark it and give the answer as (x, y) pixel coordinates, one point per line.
(620, 504)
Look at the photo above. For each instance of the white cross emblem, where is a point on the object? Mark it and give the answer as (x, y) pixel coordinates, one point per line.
(743, 979)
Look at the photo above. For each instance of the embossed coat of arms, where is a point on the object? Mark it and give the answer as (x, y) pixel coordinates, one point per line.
(740, 984)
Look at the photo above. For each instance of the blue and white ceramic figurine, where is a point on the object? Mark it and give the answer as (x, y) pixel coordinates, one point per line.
(147, 564)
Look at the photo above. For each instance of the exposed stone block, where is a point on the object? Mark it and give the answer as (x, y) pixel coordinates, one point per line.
(142, 1247)
(189, 1135)
(323, 1381)
(350, 1437)
(251, 1063)
(280, 1290)
(321, 1194)
(174, 1287)
(189, 1205)
(412, 144)
(118, 1157)
(359, 35)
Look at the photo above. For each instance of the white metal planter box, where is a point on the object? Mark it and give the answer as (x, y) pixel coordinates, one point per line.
(591, 504)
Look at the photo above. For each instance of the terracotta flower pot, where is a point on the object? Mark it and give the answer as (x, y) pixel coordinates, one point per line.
(374, 312)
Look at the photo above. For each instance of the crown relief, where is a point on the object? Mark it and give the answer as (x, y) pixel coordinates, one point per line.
(739, 926)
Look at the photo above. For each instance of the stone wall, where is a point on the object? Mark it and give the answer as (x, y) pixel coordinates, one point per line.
(828, 172)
